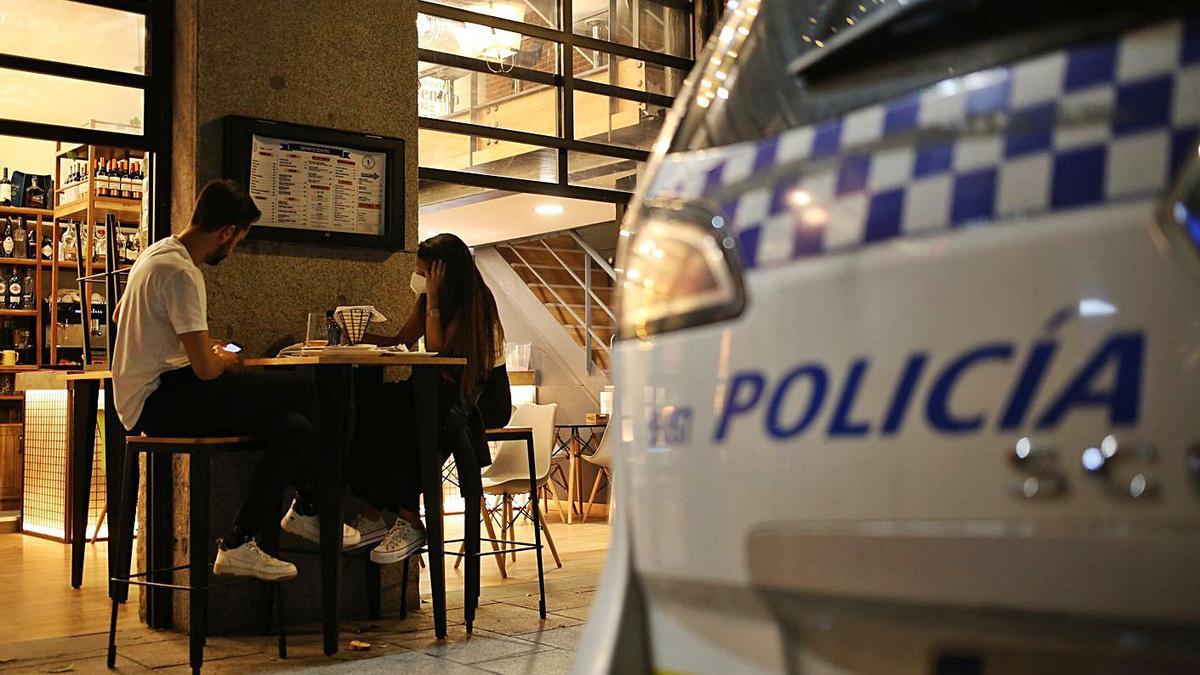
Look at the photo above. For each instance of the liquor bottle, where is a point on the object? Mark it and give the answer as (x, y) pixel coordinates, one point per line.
(35, 196)
(48, 248)
(120, 247)
(99, 246)
(137, 180)
(114, 179)
(27, 288)
(122, 180)
(19, 236)
(6, 189)
(31, 245)
(100, 179)
(14, 290)
(8, 238)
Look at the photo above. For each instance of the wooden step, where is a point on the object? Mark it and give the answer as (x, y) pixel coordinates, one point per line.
(599, 316)
(535, 253)
(574, 294)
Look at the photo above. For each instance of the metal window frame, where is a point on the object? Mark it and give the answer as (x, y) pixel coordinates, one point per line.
(155, 85)
(566, 85)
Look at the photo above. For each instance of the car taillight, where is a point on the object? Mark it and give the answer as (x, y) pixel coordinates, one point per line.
(679, 268)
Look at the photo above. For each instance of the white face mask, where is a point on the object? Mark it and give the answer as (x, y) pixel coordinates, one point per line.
(417, 283)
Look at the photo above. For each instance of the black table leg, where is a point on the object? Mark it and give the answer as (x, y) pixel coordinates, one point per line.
(425, 389)
(84, 394)
(114, 454)
(335, 384)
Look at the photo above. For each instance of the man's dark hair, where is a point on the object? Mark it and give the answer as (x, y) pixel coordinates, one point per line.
(224, 202)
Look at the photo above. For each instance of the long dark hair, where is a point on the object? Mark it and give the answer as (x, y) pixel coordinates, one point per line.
(464, 296)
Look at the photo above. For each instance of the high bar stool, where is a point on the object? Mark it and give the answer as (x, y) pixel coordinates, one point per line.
(200, 450)
(472, 490)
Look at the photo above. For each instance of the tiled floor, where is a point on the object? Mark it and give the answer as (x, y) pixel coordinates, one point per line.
(509, 636)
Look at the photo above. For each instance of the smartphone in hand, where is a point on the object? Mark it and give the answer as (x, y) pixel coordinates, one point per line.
(232, 347)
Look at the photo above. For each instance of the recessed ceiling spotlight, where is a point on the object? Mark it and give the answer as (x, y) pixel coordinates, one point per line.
(548, 209)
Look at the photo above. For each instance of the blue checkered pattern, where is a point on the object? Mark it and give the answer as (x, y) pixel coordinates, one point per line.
(1075, 128)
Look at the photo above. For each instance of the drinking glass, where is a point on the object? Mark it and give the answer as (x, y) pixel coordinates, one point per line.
(318, 330)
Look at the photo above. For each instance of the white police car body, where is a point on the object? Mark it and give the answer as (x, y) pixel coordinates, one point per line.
(911, 343)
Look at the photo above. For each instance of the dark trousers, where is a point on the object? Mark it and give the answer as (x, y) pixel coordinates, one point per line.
(277, 409)
(384, 467)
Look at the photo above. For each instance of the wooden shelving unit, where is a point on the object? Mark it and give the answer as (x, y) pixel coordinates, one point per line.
(92, 211)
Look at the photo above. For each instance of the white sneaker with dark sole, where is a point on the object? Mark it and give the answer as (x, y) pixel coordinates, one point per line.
(309, 528)
(369, 531)
(248, 560)
(400, 542)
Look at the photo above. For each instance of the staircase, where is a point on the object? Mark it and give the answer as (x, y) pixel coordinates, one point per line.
(574, 283)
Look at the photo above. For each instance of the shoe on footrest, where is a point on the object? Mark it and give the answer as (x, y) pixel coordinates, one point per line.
(401, 541)
(309, 528)
(248, 560)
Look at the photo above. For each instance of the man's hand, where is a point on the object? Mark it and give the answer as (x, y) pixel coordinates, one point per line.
(208, 359)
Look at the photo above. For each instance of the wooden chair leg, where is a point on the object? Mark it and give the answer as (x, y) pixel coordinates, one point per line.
(512, 526)
(99, 522)
(612, 502)
(504, 526)
(587, 511)
(550, 542)
(491, 533)
(553, 488)
(462, 550)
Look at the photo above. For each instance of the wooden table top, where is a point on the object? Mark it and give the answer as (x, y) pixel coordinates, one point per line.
(358, 358)
(90, 375)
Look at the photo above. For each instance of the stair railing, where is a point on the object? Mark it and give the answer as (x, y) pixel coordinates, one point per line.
(590, 298)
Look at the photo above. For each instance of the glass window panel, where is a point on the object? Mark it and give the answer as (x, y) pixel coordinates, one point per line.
(501, 48)
(33, 97)
(598, 171)
(490, 100)
(638, 23)
(27, 155)
(617, 121)
(475, 154)
(598, 66)
(537, 12)
(71, 32)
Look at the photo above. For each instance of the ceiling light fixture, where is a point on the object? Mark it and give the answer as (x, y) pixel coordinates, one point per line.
(548, 209)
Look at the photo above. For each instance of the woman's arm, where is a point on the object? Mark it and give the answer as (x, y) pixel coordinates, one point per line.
(409, 333)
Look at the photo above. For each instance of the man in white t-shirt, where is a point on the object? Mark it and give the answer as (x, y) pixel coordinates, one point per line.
(170, 378)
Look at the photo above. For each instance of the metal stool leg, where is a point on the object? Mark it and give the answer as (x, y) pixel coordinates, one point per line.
(122, 538)
(537, 526)
(471, 542)
(404, 590)
(282, 622)
(198, 558)
(373, 588)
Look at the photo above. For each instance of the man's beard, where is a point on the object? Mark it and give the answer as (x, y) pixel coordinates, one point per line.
(218, 255)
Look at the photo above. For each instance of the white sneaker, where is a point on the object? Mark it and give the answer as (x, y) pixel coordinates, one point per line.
(248, 560)
(309, 528)
(369, 531)
(401, 541)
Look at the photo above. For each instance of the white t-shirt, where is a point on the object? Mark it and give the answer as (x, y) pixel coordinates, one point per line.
(164, 299)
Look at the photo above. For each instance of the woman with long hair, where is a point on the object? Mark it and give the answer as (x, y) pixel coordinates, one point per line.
(456, 314)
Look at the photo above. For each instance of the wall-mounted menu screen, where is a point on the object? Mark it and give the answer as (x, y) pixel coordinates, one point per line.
(314, 184)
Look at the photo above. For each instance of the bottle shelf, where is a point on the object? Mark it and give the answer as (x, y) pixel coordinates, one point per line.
(13, 397)
(18, 262)
(18, 312)
(103, 206)
(25, 211)
(17, 369)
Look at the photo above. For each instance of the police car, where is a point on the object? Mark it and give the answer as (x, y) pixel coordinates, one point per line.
(909, 368)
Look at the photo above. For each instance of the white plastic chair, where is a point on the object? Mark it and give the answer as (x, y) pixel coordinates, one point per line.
(508, 473)
(602, 458)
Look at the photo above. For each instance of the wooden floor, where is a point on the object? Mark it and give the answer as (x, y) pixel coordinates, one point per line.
(37, 602)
